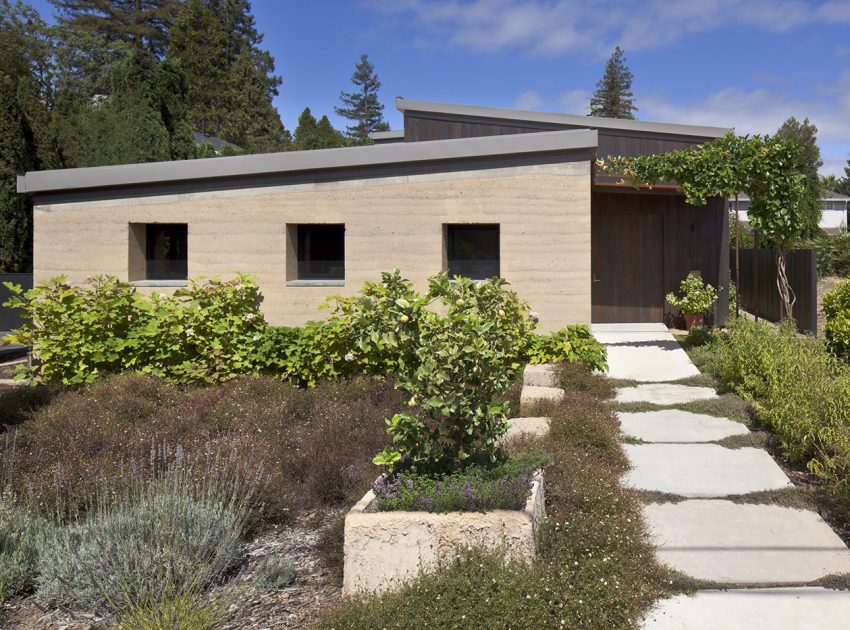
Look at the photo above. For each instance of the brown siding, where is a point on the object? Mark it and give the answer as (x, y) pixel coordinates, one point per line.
(694, 239)
(419, 126)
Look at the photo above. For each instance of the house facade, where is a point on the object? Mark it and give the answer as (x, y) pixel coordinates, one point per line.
(834, 206)
(474, 191)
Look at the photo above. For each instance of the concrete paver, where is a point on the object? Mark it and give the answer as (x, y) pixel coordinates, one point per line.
(731, 543)
(701, 470)
(531, 427)
(675, 425)
(643, 352)
(747, 609)
(664, 394)
(532, 394)
(543, 375)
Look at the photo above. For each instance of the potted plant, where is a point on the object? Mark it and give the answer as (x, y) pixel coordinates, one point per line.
(694, 299)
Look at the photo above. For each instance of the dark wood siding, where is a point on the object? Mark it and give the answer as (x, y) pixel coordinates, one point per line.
(690, 239)
(419, 126)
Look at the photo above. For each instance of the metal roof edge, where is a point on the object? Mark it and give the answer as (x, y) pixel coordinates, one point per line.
(386, 135)
(297, 161)
(403, 104)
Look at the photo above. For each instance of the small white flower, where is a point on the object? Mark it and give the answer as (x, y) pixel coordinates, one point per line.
(256, 337)
(238, 287)
(190, 331)
(349, 357)
(534, 316)
(250, 317)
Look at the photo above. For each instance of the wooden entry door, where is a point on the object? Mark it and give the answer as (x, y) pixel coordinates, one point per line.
(627, 263)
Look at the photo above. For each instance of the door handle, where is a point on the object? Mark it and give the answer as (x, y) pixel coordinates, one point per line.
(594, 278)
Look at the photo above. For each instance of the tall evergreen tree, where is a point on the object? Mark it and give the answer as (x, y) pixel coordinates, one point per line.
(230, 78)
(140, 23)
(362, 105)
(311, 134)
(613, 97)
(805, 135)
(844, 185)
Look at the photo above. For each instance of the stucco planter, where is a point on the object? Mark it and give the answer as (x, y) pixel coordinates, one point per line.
(386, 549)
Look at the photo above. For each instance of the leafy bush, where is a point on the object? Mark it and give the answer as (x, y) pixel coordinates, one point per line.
(833, 254)
(696, 296)
(158, 539)
(276, 572)
(207, 332)
(799, 389)
(182, 611)
(315, 444)
(503, 487)
(460, 363)
(19, 535)
(733, 300)
(595, 566)
(836, 307)
(573, 344)
(698, 336)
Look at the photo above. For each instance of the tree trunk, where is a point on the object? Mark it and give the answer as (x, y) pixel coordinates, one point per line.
(786, 293)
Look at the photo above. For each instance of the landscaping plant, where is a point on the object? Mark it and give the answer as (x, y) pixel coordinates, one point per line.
(836, 307)
(19, 536)
(695, 298)
(275, 572)
(572, 344)
(150, 541)
(462, 360)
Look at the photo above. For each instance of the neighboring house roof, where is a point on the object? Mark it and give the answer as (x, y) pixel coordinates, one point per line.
(299, 161)
(590, 122)
(387, 136)
(827, 196)
(217, 143)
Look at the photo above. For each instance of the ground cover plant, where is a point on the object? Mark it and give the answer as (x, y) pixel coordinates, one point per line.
(836, 307)
(19, 536)
(595, 569)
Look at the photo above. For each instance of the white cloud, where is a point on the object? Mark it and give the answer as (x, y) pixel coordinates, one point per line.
(563, 26)
(529, 99)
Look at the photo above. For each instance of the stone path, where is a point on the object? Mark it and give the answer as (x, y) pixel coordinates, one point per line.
(706, 535)
(538, 383)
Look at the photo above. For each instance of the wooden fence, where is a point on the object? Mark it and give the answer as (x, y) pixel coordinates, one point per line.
(757, 292)
(11, 318)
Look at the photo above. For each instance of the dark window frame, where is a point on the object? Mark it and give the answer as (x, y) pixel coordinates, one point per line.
(457, 266)
(330, 237)
(157, 267)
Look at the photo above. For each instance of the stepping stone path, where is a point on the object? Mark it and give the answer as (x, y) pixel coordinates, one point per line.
(702, 470)
(715, 539)
(747, 609)
(538, 383)
(664, 394)
(674, 425)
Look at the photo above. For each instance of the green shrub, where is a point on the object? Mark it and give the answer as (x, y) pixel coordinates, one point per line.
(574, 343)
(150, 542)
(505, 486)
(182, 611)
(276, 572)
(19, 535)
(461, 363)
(207, 332)
(799, 390)
(833, 254)
(696, 296)
(836, 307)
(698, 336)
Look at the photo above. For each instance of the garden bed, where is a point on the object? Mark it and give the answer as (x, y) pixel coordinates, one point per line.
(386, 549)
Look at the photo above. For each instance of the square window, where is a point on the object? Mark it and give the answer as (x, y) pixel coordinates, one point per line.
(320, 251)
(472, 251)
(166, 256)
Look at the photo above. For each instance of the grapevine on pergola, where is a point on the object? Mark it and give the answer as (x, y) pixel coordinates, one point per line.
(762, 167)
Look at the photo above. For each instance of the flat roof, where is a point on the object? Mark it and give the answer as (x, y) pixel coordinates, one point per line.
(591, 122)
(387, 135)
(298, 161)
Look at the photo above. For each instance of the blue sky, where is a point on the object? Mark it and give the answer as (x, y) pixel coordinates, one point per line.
(747, 64)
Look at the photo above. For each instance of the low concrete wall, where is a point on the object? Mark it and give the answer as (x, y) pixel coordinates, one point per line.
(385, 549)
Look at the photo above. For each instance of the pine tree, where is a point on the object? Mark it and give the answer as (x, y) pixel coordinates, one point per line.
(613, 97)
(231, 80)
(843, 186)
(140, 23)
(805, 136)
(362, 105)
(311, 134)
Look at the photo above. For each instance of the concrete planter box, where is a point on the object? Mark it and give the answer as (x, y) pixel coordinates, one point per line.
(386, 549)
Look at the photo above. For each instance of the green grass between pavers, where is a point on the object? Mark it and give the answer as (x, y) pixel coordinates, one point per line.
(596, 567)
